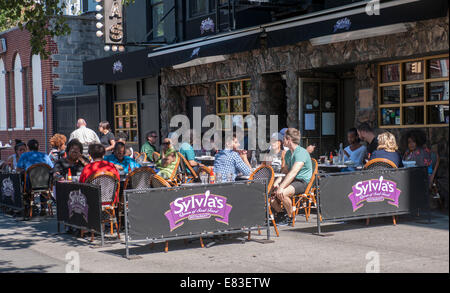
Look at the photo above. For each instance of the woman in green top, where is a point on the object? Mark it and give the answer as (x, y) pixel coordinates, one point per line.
(168, 161)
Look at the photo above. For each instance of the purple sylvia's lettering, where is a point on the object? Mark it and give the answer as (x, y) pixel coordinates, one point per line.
(196, 207)
(374, 190)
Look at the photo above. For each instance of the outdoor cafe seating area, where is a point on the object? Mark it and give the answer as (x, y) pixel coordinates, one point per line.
(37, 184)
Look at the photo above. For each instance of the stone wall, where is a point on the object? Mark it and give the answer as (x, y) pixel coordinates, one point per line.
(72, 50)
(423, 38)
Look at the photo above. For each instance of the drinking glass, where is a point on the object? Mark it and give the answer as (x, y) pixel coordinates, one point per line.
(230, 177)
(204, 178)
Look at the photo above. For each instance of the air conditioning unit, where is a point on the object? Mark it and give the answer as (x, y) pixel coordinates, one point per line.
(2, 45)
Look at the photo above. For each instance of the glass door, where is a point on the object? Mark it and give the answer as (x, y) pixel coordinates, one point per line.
(318, 105)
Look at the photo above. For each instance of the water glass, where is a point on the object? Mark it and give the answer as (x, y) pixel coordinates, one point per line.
(230, 177)
(218, 178)
(204, 178)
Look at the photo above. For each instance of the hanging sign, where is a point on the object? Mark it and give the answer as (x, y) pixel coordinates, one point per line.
(114, 22)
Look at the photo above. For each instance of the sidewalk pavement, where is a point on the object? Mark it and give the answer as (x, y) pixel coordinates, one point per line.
(412, 246)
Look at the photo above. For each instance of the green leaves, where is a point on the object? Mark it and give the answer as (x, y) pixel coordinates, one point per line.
(42, 18)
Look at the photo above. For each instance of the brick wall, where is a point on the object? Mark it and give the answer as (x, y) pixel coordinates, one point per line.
(18, 43)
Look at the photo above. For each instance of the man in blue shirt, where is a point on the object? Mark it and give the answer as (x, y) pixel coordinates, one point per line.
(123, 163)
(33, 157)
(231, 161)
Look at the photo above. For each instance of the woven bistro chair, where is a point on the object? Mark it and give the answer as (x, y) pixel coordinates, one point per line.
(141, 158)
(109, 186)
(265, 172)
(380, 164)
(185, 166)
(176, 176)
(308, 198)
(159, 182)
(38, 181)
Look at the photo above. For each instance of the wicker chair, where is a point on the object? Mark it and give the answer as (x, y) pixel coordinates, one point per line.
(38, 180)
(139, 178)
(141, 158)
(159, 182)
(304, 200)
(185, 166)
(380, 164)
(265, 172)
(176, 176)
(109, 186)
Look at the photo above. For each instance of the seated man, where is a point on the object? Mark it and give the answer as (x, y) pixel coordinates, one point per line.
(97, 151)
(168, 160)
(33, 157)
(298, 170)
(231, 160)
(120, 160)
(149, 147)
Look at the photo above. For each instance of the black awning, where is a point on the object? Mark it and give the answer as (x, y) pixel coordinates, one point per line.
(393, 12)
(148, 62)
(224, 45)
(117, 67)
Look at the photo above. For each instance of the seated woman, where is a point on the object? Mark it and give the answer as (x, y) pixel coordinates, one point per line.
(58, 143)
(387, 149)
(355, 152)
(75, 161)
(275, 157)
(417, 150)
(12, 160)
(168, 160)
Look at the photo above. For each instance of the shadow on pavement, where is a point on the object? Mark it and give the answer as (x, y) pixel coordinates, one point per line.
(438, 220)
(6, 267)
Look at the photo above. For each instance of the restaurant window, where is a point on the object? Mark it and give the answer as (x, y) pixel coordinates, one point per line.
(233, 98)
(414, 93)
(125, 119)
(201, 7)
(157, 15)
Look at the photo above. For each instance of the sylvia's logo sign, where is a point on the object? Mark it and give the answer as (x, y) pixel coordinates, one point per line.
(374, 190)
(197, 207)
(78, 204)
(8, 189)
(343, 23)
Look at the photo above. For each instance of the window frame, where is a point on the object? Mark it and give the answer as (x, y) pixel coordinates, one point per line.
(155, 29)
(229, 97)
(426, 81)
(128, 130)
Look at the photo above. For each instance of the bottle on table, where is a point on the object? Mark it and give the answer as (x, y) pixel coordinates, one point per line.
(341, 154)
(212, 178)
(69, 175)
(253, 161)
(331, 158)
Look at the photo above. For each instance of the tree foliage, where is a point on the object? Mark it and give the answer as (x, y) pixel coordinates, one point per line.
(42, 18)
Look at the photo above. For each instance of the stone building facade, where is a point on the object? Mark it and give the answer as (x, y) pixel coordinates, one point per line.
(275, 73)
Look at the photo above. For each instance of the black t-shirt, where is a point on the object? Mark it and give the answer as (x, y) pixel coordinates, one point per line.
(105, 141)
(106, 138)
(372, 146)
